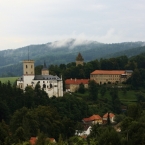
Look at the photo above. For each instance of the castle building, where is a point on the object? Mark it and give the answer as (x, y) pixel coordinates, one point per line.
(79, 60)
(52, 85)
(110, 76)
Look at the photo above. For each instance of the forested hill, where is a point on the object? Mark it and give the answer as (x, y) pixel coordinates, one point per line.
(63, 52)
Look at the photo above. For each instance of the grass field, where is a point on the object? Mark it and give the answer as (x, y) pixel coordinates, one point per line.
(6, 79)
(126, 98)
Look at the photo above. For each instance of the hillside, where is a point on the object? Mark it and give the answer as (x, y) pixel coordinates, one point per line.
(63, 52)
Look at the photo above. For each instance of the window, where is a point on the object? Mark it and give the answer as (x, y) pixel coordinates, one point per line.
(26, 72)
(26, 66)
(31, 66)
(50, 85)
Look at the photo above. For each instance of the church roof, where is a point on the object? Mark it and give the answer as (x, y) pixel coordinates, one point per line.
(79, 57)
(76, 81)
(46, 77)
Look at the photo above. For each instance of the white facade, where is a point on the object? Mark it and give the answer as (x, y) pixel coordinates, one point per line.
(52, 85)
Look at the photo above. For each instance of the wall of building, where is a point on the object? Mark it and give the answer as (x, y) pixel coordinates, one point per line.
(101, 79)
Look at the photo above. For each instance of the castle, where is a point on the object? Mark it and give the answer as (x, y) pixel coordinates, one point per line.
(52, 85)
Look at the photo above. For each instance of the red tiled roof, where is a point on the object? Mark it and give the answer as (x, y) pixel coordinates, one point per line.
(76, 81)
(93, 117)
(33, 140)
(109, 72)
(110, 115)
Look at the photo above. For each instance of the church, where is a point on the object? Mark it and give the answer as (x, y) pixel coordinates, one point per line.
(52, 85)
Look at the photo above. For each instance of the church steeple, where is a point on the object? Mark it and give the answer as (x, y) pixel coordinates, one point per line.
(45, 70)
(44, 66)
(79, 60)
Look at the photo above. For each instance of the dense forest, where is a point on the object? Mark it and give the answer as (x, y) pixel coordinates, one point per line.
(33, 114)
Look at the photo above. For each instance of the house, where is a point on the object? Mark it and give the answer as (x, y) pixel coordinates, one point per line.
(52, 85)
(51, 140)
(94, 119)
(110, 76)
(111, 117)
(72, 85)
(84, 133)
(33, 140)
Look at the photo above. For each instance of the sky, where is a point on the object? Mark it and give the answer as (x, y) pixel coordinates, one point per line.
(27, 22)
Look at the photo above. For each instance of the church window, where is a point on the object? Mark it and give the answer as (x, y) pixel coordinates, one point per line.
(50, 85)
(44, 86)
(26, 66)
(31, 66)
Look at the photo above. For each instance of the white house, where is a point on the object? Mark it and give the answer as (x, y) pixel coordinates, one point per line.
(52, 85)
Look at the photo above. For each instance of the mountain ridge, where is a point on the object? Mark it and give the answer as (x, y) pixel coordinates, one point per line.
(59, 52)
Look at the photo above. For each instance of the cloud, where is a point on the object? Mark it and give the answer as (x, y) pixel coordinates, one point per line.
(41, 21)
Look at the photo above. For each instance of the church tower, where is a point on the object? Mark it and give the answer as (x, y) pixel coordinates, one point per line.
(28, 67)
(44, 71)
(28, 72)
(79, 60)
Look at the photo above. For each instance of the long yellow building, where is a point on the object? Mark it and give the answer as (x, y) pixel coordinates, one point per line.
(110, 76)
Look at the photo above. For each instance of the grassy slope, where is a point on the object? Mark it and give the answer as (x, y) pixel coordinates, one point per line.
(101, 107)
(6, 79)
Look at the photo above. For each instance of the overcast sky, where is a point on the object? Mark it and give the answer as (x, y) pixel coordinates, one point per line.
(26, 22)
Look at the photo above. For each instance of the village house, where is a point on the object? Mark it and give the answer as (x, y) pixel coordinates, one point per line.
(110, 76)
(111, 117)
(94, 119)
(52, 85)
(72, 85)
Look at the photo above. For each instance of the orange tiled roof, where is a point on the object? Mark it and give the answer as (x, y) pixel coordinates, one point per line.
(33, 140)
(76, 81)
(93, 117)
(110, 115)
(109, 72)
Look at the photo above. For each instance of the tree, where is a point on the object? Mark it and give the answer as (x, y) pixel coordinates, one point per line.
(136, 79)
(81, 88)
(93, 90)
(109, 137)
(134, 111)
(103, 90)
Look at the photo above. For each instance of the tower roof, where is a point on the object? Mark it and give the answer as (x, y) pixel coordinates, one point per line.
(44, 66)
(79, 57)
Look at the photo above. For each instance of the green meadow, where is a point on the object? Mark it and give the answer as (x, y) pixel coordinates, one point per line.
(6, 79)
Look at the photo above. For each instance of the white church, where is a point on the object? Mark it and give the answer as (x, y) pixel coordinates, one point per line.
(52, 85)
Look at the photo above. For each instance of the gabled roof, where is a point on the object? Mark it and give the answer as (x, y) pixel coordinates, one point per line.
(129, 71)
(92, 118)
(76, 81)
(110, 115)
(108, 72)
(46, 77)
